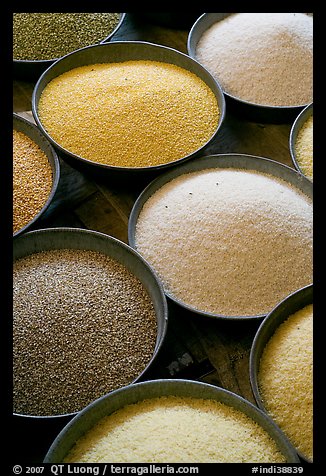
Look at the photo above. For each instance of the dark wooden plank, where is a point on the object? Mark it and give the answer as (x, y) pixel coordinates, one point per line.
(244, 137)
(98, 214)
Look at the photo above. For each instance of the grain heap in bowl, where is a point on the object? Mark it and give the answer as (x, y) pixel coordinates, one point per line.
(32, 180)
(204, 422)
(129, 114)
(83, 325)
(285, 379)
(227, 241)
(261, 58)
(48, 36)
(202, 431)
(303, 147)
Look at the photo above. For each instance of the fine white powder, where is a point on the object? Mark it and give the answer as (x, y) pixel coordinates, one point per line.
(264, 58)
(228, 241)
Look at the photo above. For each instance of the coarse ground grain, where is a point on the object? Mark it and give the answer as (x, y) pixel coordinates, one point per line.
(263, 58)
(182, 429)
(129, 114)
(303, 148)
(228, 241)
(83, 325)
(32, 179)
(45, 36)
(285, 379)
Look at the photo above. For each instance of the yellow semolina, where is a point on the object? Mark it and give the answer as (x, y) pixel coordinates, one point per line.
(304, 148)
(286, 379)
(129, 114)
(181, 430)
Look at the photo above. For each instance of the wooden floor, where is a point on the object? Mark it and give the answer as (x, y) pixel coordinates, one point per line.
(198, 348)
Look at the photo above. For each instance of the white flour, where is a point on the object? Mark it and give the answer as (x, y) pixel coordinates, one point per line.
(230, 242)
(264, 58)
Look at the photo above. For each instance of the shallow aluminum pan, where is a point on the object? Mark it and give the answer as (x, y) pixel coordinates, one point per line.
(298, 123)
(243, 161)
(291, 304)
(251, 111)
(130, 394)
(120, 51)
(23, 125)
(32, 69)
(77, 238)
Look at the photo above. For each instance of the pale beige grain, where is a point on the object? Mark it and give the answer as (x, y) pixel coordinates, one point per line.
(264, 58)
(176, 430)
(228, 241)
(286, 378)
(303, 148)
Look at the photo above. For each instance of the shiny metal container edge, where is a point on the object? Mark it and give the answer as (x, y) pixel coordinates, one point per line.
(291, 304)
(295, 129)
(120, 51)
(130, 394)
(32, 131)
(244, 161)
(32, 69)
(250, 110)
(77, 238)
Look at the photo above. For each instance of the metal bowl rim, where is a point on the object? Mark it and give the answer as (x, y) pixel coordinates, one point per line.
(254, 355)
(55, 169)
(219, 95)
(262, 107)
(127, 249)
(176, 172)
(176, 386)
(50, 61)
(299, 121)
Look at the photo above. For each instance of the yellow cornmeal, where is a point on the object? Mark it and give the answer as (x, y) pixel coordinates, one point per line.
(129, 114)
(303, 148)
(175, 430)
(286, 378)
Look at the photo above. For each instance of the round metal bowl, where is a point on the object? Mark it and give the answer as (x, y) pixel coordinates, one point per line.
(291, 304)
(32, 69)
(252, 111)
(80, 239)
(115, 400)
(242, 161)
(22, 125)
(298, 123)
(44, 428)
(120, 51)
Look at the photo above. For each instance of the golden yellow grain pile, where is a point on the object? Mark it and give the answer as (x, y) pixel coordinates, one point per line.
(175, 430)
(32, 180)
(303, 148)
(286, 378)
(129, 114)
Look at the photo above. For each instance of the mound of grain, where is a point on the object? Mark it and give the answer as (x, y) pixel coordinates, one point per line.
(303, 148)
(32, 180)
(264, 58)
(228, 241)
(286, 379)
(182, 430)
(83, 325)
(129, 114)
(45, 36)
